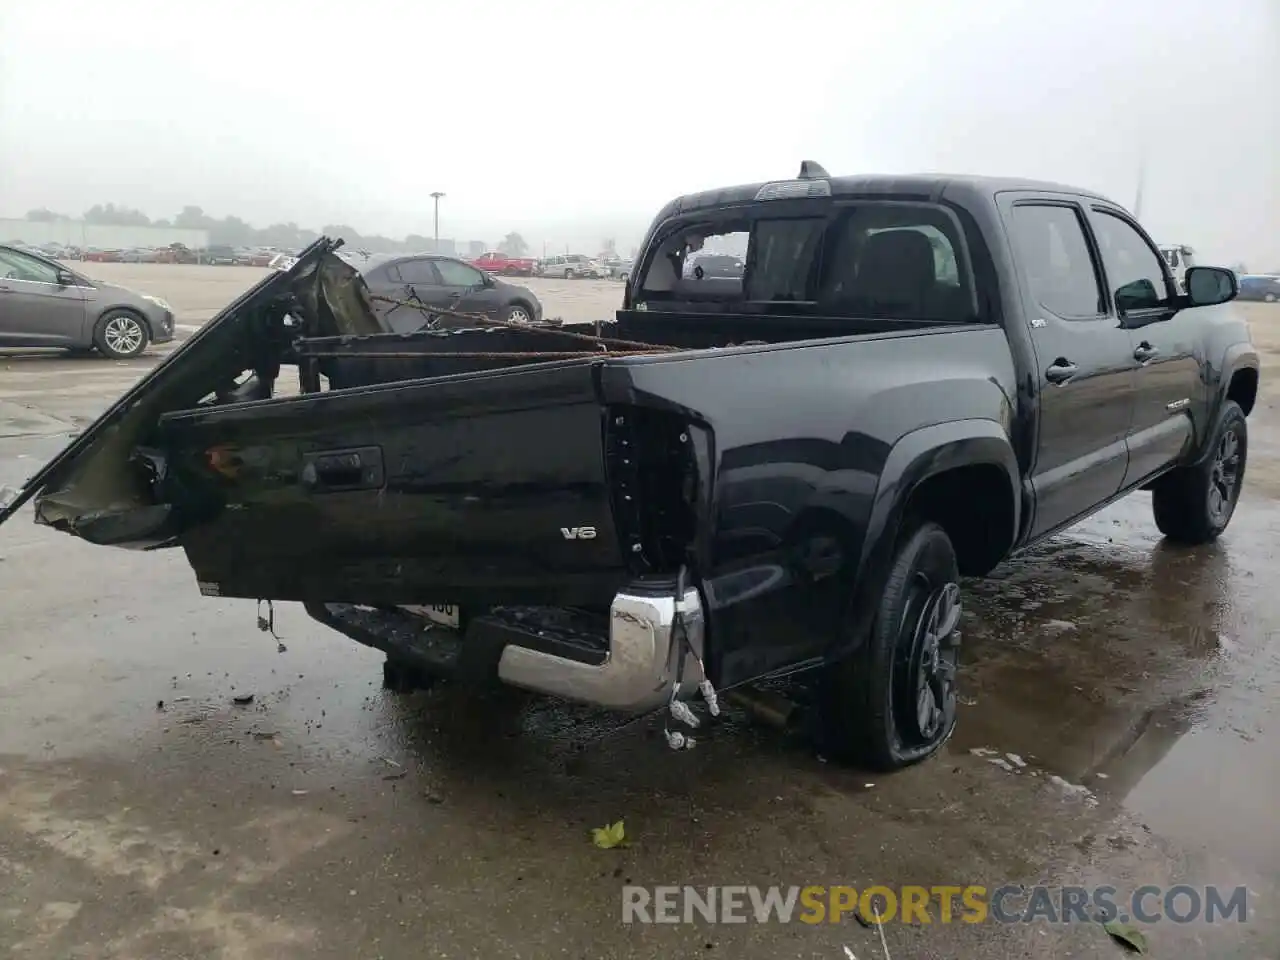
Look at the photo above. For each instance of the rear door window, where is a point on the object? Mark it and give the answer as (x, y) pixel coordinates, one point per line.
(1056, 261)
(418, 271)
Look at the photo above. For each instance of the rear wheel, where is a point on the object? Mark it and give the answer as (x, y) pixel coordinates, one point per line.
(1270, 298)
(569, 274)
(1194, 504)
(121, 334)
(892, 702)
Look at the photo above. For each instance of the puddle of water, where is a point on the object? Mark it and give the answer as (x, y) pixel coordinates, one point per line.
(1143, 672)
(1214, 790)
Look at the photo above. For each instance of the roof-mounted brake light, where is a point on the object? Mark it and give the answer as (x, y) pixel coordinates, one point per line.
(794, 190)
(812, 182)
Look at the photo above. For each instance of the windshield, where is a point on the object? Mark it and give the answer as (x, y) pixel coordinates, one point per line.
(877, 259)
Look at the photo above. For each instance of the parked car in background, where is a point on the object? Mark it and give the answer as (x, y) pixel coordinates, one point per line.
(501, 265)
(175, 253)
(259, 258)
(218, 254)
(1258, 286)
(570, 266)
(44, 304)
(616, 268)
(139, 255)
(715, 266)
(99, 255)
(434, 280)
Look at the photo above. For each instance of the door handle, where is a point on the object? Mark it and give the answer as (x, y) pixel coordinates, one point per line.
(1144, 352)
(359, 468)
(1061, 371)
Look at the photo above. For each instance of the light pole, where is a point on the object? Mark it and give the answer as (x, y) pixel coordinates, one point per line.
(1142, 182)
(436, 197)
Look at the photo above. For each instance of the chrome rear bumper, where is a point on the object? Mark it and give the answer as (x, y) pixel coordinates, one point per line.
(645, 651)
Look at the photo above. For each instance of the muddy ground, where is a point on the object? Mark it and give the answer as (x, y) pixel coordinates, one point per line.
(143, 814)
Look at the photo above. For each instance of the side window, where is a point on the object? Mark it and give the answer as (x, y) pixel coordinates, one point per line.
(18, 266)
(418, 271)
(1134, 270)
(1055, 257)
(455, 274)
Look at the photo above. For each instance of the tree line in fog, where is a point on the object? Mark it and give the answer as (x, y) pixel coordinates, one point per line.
(236, 232)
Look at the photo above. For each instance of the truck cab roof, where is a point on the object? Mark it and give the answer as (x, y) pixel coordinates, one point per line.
(932, 187)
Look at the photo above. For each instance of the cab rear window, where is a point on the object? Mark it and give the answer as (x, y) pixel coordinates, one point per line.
(875, 259)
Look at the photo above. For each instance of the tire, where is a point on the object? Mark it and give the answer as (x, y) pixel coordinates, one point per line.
(569, 274)
(121, 334)
(1270, 298)
(1194, 504)
(873, 707)
(518, 313)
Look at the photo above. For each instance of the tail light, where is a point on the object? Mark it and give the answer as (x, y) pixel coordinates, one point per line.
(653, 473)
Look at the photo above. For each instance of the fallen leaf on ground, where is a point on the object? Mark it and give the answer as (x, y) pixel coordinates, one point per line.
(1127, 935)
(606, 838)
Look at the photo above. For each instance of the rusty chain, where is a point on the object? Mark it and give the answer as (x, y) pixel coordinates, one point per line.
(604, 343)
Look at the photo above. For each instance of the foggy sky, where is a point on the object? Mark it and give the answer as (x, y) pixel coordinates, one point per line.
(571, 121)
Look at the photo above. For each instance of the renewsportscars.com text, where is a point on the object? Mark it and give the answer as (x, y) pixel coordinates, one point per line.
(1007, 904)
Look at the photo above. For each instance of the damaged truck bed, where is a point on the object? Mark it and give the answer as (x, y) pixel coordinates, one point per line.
(733, 478)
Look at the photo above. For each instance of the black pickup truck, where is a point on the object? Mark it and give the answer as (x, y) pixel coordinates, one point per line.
(730, 480)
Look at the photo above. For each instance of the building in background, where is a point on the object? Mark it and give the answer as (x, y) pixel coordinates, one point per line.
(103, 236)
(476, 248)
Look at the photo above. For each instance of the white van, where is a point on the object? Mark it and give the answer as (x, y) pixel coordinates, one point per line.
(1179, 258)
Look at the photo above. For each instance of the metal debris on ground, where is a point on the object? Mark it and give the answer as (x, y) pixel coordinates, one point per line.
(267, 624)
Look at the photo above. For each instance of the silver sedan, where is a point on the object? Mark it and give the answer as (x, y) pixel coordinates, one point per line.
(45, 304)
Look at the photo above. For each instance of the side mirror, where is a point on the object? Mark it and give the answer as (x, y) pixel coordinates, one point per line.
(1209, 286)
(66, 279)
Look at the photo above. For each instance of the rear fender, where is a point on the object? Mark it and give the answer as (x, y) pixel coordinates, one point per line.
(912, 460)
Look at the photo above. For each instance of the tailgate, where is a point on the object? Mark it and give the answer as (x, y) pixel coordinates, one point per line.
(478, 489)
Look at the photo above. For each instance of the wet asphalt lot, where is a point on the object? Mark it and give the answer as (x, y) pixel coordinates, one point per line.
(1133, 684)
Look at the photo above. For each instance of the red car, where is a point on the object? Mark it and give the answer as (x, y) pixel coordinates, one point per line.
(504, 266)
